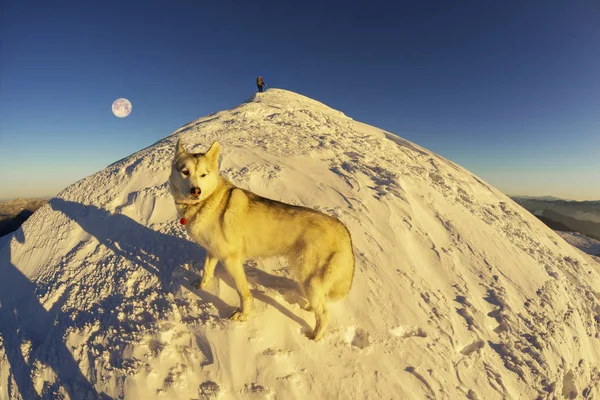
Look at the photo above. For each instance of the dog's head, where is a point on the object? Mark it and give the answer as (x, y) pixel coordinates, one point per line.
(194, 176)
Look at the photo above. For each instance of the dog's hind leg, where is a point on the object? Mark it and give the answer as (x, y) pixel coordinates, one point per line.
(316, 297)
(235, 267)
(208, 272)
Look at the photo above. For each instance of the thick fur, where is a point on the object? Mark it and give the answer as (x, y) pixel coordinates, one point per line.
(234, 225)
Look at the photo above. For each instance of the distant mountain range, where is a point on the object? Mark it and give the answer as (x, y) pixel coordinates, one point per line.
(547, 198)
(583, 243)
(565, 215)
(14, 212)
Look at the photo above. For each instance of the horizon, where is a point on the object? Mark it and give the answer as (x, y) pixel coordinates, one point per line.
(542, 197)
(508, 91)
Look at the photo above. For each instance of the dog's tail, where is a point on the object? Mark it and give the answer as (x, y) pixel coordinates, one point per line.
(341, 268)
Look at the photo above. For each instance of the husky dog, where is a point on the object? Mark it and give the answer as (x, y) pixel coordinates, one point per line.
(234, 225)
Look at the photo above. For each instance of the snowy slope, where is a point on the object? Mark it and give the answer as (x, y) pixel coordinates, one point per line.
(458, 293)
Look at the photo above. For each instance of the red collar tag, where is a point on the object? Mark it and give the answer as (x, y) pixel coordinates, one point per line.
(183, 221)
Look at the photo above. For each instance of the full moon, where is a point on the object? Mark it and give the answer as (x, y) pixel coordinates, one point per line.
(121, 107)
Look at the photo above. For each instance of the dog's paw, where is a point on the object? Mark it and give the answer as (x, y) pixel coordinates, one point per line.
(316, 336)
(238, 315)
(204, 282)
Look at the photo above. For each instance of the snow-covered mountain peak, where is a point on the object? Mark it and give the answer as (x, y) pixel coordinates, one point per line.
(458, 292)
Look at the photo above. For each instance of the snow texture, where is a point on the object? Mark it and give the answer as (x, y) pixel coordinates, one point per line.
(458, 293)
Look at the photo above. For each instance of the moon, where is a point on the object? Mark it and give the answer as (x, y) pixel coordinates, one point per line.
(121, 107)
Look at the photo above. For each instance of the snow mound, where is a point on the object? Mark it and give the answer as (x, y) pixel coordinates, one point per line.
(458, 292)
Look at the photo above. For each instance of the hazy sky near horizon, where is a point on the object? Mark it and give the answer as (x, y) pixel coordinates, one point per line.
(509, 90)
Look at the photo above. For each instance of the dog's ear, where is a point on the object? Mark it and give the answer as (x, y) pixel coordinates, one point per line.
(212, 155)
(179, 150)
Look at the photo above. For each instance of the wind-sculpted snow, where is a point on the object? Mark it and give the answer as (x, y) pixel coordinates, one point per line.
(458, 293)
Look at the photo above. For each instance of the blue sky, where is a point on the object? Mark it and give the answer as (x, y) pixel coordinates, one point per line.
(509, 90)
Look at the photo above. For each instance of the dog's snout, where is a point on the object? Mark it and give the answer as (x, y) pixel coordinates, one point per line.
(195, 191)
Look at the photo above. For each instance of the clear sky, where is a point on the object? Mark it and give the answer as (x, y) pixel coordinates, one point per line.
(508, 89)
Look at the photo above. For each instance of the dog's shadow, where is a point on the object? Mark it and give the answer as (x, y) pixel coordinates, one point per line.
(286, 287)
(163, 255)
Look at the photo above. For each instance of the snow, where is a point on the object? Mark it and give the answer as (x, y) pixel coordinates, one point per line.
(458, 292)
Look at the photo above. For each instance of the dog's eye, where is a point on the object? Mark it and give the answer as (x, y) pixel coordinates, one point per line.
(202, 176)
(185, 172)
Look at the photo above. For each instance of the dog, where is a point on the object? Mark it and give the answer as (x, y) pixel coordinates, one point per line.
(235, 225)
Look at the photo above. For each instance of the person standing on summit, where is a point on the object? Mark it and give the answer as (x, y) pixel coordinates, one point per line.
(260, 84)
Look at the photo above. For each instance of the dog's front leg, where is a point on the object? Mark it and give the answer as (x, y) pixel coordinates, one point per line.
(235, 267)
(210, 263)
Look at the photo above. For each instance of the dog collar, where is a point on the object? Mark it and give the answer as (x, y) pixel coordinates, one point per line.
(185, 204)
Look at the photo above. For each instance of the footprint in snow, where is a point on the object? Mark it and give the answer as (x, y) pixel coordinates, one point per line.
(406, 332)
(356, 337)
(255, 391)
(209, 390)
